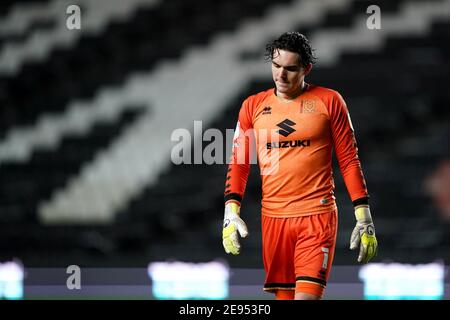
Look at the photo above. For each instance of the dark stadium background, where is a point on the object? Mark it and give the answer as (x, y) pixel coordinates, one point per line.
(86, 117)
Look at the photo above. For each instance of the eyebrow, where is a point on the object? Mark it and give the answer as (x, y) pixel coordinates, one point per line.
(291, 67)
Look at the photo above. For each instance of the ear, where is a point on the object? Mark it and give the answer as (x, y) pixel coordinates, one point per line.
(308, 68)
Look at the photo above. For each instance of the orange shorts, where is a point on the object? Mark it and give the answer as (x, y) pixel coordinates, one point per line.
(298, 252)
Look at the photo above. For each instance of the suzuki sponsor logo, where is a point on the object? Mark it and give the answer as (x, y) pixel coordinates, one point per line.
(286, 127)
(289, 144)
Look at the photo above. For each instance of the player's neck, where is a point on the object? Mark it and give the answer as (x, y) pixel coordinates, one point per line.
(294, 95)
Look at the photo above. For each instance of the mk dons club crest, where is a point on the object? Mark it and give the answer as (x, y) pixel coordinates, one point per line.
(308, 106)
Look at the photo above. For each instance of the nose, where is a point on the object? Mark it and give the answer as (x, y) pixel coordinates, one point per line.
(283, 73)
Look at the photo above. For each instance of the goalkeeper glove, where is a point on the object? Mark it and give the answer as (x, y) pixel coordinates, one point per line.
(363, 235)
(232, 224)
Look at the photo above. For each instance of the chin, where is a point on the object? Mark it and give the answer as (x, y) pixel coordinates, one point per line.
(282, 89)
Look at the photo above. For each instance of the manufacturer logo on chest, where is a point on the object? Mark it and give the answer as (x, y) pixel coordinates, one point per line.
(267, 110)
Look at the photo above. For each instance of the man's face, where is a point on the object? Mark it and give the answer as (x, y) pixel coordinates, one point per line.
(288, 74)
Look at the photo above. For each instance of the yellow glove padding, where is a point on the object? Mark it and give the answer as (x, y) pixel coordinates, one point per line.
(232, 224)
(363, 235)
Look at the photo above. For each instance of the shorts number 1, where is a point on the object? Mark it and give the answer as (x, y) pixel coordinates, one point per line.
(325, 258)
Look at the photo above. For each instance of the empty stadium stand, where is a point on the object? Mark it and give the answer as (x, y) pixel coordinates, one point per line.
(397, 94)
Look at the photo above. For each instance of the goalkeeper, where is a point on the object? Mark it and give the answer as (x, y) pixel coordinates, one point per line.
(295, 127)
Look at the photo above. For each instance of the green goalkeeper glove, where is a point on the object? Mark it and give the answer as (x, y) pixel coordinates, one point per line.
(232, 224)
(363, 235)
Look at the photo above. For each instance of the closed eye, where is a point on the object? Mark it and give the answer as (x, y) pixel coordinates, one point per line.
(291, 68)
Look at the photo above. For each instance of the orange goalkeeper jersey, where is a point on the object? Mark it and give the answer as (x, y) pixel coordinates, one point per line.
(293, 141)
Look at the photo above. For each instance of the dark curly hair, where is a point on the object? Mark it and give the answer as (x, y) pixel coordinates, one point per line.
(294, 42)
